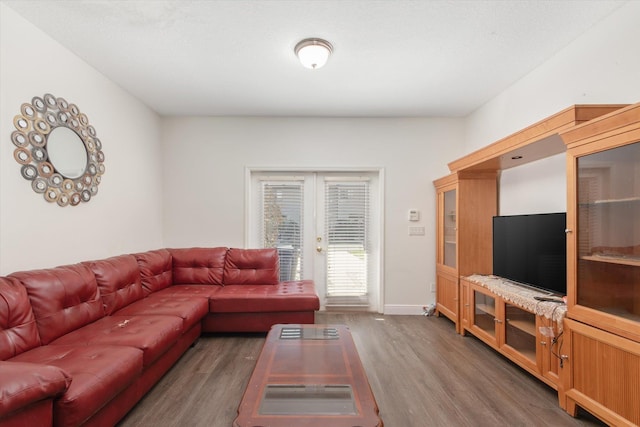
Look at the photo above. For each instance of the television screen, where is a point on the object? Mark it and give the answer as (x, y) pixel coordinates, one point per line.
(531, 249)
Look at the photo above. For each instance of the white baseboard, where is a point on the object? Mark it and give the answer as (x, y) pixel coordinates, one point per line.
(403, 309)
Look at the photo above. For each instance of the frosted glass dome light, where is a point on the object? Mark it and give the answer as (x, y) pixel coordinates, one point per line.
(313, 53)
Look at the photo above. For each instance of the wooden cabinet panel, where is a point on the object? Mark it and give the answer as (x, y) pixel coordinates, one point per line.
(605, 374)
(447, 295)
(549, 341)
(465, 305)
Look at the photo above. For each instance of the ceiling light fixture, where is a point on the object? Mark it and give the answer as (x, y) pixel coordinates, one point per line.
(313, 53)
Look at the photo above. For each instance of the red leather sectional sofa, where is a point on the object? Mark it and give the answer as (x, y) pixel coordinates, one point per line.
(81, 344)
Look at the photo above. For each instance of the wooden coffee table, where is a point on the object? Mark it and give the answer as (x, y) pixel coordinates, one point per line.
(308, 375)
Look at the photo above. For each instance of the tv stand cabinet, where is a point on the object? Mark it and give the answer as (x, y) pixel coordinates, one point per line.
(472, 250)
(467, 200)
(508, 318)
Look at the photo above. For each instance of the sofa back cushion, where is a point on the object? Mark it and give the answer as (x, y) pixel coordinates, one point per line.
(119, 282)
(252, 267)
(155, 270)
(18, 331)
(201, 266)
(63, 299)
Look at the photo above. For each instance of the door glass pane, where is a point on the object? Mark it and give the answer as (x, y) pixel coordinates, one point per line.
(450, 235)
(282, 225)
(485, 312)
(609, 231)
(347, 240)
(520, 332)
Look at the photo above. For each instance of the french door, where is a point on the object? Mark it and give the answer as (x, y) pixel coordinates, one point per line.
(326, 227)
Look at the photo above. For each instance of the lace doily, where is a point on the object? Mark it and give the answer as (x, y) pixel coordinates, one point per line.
(522, 296)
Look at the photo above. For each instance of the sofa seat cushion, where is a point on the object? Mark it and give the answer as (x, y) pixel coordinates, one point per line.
(155, 270)
(22, 384)
(118, 279)
(98, 374)
(204, 266)
(252, 267)
(18, 331)
(152, 334)
(190, 309)
(286, 296)
(63, 299)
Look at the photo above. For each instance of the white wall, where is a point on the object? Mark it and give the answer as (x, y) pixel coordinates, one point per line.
(539, 187)
(125, 215)
(205, 161)
(600, 67)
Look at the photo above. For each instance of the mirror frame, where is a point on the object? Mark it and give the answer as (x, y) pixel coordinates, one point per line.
(33, 127)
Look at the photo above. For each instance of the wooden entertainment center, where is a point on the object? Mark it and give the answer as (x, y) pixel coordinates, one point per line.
(588, 350)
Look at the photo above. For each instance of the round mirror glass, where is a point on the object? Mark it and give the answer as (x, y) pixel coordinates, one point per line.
(67, 152)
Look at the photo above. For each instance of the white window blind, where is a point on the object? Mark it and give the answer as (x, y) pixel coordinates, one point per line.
(282, 224)
(347, 241)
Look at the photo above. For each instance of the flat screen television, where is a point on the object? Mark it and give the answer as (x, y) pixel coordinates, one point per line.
(532, 250)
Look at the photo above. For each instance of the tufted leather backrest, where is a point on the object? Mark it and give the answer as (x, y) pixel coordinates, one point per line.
(119, 281)
(252, 267)
(155, 270)
(202, 266)
(18, 330)
(63, 299)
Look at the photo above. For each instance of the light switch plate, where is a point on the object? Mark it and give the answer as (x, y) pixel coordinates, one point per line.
(416, 231)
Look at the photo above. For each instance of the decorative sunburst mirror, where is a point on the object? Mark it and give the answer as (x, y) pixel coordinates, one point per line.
(58, 150)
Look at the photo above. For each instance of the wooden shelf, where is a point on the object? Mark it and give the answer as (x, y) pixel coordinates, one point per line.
(489, 309)
(615, 201)
(523, 325)
(612, 260)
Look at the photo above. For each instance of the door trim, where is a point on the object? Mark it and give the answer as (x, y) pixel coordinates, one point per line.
(249, 170)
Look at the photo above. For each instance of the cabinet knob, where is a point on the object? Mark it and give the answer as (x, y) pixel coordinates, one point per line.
(497, 320)
(567, 230)
(543, 343)
(564, 357)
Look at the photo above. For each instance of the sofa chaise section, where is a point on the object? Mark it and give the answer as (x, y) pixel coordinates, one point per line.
(253, 299)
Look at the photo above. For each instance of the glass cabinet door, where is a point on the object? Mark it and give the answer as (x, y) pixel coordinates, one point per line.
(484, 316)
(450, 235)
(520, 331)
(608, 240)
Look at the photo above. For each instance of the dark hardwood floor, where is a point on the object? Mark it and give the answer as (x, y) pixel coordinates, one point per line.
(421, 372)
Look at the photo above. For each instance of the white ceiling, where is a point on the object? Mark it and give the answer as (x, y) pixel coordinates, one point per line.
(391, 58)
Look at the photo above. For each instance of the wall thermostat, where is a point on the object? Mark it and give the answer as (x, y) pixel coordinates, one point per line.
(414, 215)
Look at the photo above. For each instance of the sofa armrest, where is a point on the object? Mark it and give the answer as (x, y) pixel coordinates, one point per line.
(22, 384)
